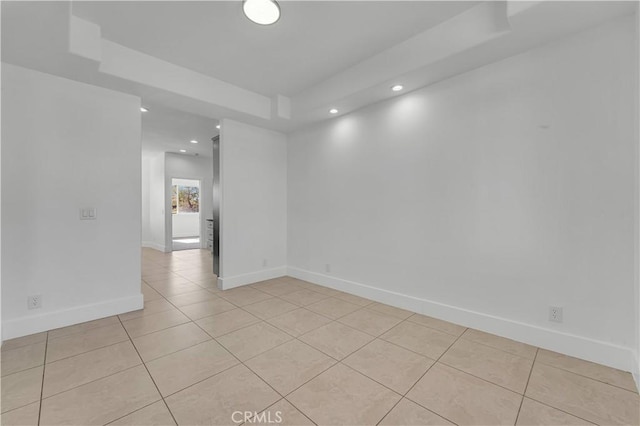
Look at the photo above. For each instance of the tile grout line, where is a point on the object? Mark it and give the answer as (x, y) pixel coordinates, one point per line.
(540, 402)
(5, 351)
(526, 386)
(481, 378)
(559, 409)
(588, 377)
(498, 349)
(93, 381)
(379, 337)
(425, 373)
(90, 350)
(536, 360)
(460, 336)
(135, 411)
(44, 368)
(266, 321)
(340, 361)
(240, 362)
(149, 373)
(23, 405)
(86, 352)
(176, 351)
(193, 345)
(199, 381)
(54, 338)
(325, 315)
(288, 341)
(286, 400)
(22, 369)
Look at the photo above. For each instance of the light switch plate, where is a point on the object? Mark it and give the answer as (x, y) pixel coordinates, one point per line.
(88, 213)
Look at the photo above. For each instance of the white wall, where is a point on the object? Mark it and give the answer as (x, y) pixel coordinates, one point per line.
(253, 204)
(147, 236)
(637, 199)
(153, 202)
(1, 340)
(68, 145)
(189, 167)
(185, 225)
(486, 198)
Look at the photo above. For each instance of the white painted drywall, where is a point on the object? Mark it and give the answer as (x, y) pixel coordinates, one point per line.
(153, 188)
(636, 360)
(129, 64)
(185, 225)
(68, 145)
(189, 167)
(147, 236)
(253, 202)
(0, 207)
(500, 192)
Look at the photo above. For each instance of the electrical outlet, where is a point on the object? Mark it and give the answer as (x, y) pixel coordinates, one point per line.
(327, 267)
(34, 302)
(555, 313)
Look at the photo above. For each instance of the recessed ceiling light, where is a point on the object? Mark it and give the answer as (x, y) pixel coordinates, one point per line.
(194, 141)
(263, 12)
(218, 126)
(333, 111)
(397, 88)
(183, 150)
(143, 109)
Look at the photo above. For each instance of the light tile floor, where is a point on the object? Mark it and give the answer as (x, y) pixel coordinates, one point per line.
(292, 351)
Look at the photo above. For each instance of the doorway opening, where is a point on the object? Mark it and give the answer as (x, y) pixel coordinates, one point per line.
(185, 214)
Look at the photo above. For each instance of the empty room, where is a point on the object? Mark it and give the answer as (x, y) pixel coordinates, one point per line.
(287, 212)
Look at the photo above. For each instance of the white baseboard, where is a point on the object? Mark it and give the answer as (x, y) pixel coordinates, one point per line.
(50, 320)
(605, 353)
(154, 245)
(250, 278)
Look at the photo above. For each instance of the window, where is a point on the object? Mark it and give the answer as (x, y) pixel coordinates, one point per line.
(185, 199)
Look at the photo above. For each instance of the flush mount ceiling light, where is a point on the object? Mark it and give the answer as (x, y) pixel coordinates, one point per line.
(263, 12)
(333, 111)
(183, 150)
(194, 141)
(218, 126)
(397, 88)
(143, 109)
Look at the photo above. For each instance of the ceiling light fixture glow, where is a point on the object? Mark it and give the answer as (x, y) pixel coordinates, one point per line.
(183, 150)
(218, 126)
(333, 111)
(143, 109)
(194, 141)
(397, 88)
(262, 12)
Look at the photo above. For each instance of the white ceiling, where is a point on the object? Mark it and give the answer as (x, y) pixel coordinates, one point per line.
(312, 40)
(170, 130)
(320, 54)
